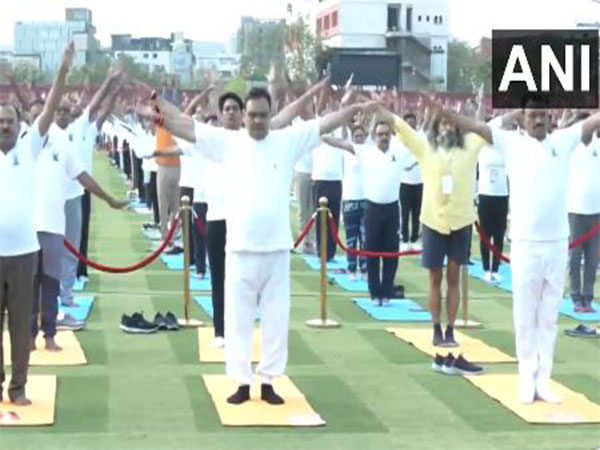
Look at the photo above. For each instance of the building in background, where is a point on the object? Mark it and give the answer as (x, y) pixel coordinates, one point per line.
(171, 56)
(261, 44)
(416, 31)
(216, 57)
(48, 40)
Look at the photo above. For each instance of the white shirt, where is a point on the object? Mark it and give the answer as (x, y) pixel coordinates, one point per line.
(492, 173)
(17, 194)
(352, 184)
(198, 178)
(257, 177)
(328, 163)
(186, 177)
(412, 171)
(214, 189)
(538, 174)
(584, 179)
(305, 165)
(77, 132)
(382, 171)
(57, 166)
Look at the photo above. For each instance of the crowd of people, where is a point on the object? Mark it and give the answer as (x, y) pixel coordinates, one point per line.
(402, 178)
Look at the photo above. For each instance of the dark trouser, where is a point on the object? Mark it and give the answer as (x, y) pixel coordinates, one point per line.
(199, 235)
(138, 176)
(216, 236)
(127, 163)
(493, 212)
(332, 190)
(116, 158)
(153, 193)
(382, 223)
(86, 209)
(581, 224)
(16, 292)
(411, 197)
(354, 211)
(190, 193)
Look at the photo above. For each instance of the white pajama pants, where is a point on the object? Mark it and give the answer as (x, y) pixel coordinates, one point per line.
(256, 281)
(538, 275)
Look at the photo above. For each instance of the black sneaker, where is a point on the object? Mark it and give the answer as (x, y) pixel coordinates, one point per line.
(583, 330)
(160, 322)
(464, 367)
(137, 324)
(174, 251)
(448, 367)
(171, 322)
(438, 363)
(449, 339)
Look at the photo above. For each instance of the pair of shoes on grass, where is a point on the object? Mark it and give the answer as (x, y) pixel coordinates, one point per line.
(137, 324)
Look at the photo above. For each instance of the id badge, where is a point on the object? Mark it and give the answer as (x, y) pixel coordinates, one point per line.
(447, 184)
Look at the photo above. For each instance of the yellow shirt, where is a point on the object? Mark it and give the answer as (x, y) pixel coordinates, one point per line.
(444, 212)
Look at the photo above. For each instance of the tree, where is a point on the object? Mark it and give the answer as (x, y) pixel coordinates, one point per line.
(467, 68)
(238, 85)
(303, 50)
(261, 45)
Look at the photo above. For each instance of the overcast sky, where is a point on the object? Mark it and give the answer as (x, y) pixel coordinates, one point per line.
(469, 19)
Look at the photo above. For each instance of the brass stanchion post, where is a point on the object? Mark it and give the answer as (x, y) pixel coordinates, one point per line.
(465, 322)
(323, 321)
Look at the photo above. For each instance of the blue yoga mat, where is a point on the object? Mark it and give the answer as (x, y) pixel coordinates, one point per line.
(568, 309)
(139, 207)
(79, 285)
(82, 310)
(344, 281)
(404, 310)
(200, 285)
(314, 262)
(476, 271)
(174, 262)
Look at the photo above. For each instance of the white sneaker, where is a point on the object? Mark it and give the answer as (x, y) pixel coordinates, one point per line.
(217, 342)
(352, 276)
(418, 246)
(496, 278)
(364, 277)
(83, 279)
(403, 246)
(546, 395)
(375, 302)
(488, 277)
(385, 302)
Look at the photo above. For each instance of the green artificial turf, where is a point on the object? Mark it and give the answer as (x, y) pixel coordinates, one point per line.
(373, 390)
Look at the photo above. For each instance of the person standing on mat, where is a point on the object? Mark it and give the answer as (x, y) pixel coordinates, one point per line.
(492, 208)
(258, 167)
(539, 231)
(18, 240)
(381, 167)
(411, 198)
(448, 159)
(584, 214)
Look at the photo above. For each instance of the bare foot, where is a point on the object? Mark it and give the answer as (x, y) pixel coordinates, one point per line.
(51, 345)
(21, 401)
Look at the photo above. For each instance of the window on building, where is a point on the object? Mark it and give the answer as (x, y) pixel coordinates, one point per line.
(319, 25)
(326, 22)
(155, 55)
(427, 19)
(393, 17)
(334, 19)
(409, 18)
(145, 55)
(440, 20)
(419, 18)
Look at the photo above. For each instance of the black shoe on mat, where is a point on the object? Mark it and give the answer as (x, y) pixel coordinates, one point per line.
(438, 363)
(172, 323)
(267, 393)
(464, 367)
(240, 396)
(136, 324)
(448, 367)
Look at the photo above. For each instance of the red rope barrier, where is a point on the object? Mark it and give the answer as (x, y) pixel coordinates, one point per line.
(306, 230)
(133, 268)
(573, 244)
(366, 253)
(488, 243)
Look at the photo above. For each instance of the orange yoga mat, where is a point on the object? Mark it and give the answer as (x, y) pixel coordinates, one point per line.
(295, 412)
(575, 407)
(71, 354)
(41, 390)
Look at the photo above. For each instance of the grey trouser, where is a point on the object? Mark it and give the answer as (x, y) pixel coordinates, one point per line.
(581, 224)
(16, 292)
(46, 284)
(73, 220)
(168, 194)
(306, 207)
